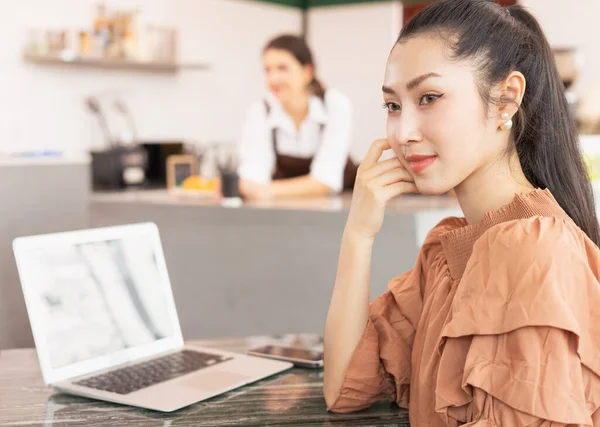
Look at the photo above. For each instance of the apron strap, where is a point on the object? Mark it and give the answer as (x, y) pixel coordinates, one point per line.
(273, 131)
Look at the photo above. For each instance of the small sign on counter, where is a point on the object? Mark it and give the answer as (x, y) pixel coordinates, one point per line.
(179, 168)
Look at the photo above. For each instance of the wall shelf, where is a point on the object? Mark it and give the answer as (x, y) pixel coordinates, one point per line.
(113, 64)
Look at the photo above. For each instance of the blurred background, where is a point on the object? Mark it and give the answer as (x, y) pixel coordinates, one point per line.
(122, 111)
(209, 65)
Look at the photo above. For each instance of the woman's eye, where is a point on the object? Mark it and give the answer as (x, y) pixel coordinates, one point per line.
(392, 107)
(429, 99)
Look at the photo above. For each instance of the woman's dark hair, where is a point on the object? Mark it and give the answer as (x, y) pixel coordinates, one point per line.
(497, 41)
(297, 46)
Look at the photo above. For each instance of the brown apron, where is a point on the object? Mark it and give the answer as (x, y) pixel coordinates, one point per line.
(293, 167)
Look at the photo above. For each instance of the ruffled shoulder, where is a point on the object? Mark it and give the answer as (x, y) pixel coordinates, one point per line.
(446, 225)
(406, 290)
(525, 321)
(538, 271)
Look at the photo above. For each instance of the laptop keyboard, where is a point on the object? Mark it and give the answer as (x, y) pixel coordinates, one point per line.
(136, 377)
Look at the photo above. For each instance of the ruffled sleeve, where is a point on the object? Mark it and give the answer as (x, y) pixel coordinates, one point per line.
(522, 346)
(381, 364)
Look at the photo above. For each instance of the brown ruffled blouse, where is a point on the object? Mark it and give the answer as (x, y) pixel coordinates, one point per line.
(497, 325)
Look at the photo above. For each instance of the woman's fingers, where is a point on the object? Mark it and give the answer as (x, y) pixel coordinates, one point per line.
(391, 177)
(397, 189)
(375, 151)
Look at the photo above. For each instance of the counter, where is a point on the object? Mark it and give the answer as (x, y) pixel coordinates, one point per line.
(266, 267)
(38, 195)
(341, 203)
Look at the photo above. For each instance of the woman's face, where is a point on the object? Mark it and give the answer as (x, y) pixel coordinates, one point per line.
(437, 123)
(286, 77)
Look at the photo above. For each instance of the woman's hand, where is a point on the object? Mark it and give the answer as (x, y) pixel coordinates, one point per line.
(376, 184)
(255, 191)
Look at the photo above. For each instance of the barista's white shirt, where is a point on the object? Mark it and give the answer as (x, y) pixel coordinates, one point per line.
(329, 147)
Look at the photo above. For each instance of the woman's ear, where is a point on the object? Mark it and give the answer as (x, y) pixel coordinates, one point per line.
(511, 92)
(514, 88)
(309, 73)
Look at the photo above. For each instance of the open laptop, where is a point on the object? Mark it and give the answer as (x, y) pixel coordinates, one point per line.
(105, 325)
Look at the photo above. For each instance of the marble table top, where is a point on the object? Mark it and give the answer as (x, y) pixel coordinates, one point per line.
(292, 398)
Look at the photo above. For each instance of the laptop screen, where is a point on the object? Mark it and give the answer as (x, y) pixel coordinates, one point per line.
(97, 298)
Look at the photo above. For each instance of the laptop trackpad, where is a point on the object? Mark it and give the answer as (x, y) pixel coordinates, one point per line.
(214, 380)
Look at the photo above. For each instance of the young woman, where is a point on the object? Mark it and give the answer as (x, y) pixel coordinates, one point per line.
(295, 142)
(498, 323)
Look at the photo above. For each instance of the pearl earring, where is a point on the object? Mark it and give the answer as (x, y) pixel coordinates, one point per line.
(508, 125)
(504, 116)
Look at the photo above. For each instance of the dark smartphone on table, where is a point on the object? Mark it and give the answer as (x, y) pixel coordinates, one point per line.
(300, 357)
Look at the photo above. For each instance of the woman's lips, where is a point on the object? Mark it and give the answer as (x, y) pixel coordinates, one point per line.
(418, 163)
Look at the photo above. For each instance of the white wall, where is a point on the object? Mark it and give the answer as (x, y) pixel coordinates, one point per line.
(572, 24)
(42, 108)
(351, 45)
